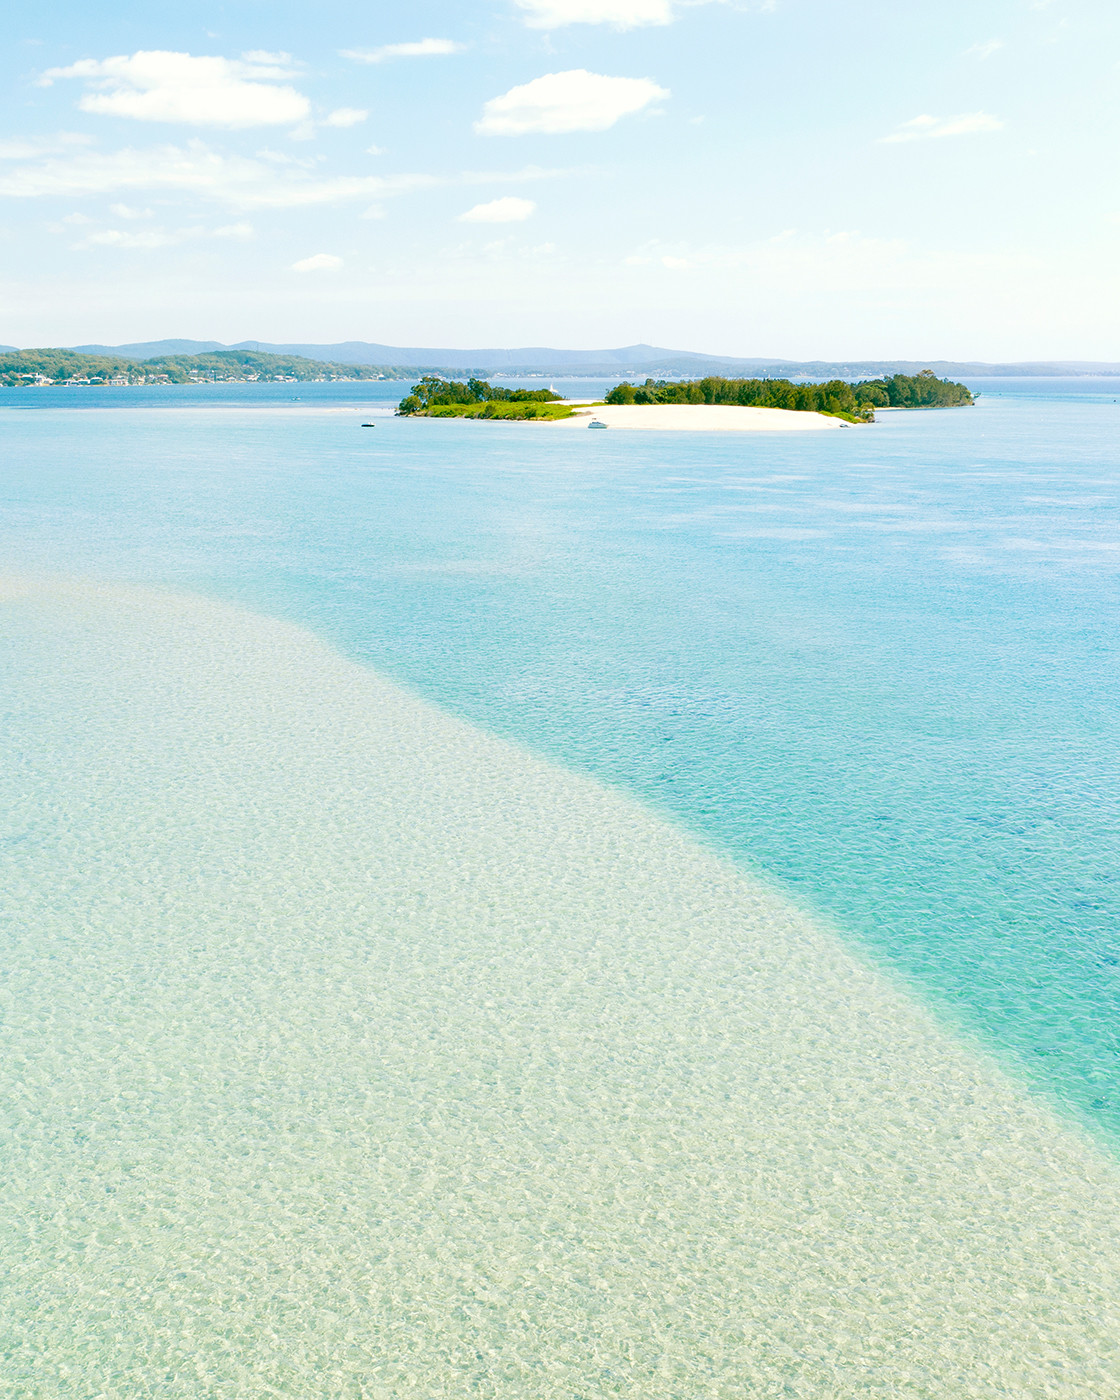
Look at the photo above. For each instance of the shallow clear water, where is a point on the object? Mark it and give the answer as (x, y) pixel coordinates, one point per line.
(877, 666)
(379, 393)
(350, 1053)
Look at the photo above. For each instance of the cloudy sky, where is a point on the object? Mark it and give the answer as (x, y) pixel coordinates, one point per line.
(772, 177)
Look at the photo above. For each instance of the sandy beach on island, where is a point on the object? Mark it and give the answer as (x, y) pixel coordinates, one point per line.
(699, 418)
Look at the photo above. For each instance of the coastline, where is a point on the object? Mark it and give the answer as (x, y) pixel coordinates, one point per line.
(721, 418)
(378, 1020)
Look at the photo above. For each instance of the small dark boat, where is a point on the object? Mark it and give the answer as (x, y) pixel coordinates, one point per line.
(369, 425)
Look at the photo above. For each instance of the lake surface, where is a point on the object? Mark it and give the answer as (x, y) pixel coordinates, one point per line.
(877, 667)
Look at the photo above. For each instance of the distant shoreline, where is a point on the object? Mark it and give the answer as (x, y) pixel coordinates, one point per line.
(618, 362)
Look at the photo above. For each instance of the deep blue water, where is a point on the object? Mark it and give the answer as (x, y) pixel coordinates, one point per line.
(877, 665)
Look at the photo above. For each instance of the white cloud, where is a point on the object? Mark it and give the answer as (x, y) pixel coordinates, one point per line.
(125, 211)
(160, 86)
(196, 169)
(505, 177)
(927, 128)
(984, 50)
(43, 145)
(510, 210)
(622, 14)
(148, 238)
(136, 238)
(345, 116)
(419, 48)
(265, 56)
(824, 267)
(319, 262)
(573, 101)
(270, 180)
(283, 158)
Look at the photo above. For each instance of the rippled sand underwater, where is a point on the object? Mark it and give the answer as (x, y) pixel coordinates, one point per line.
(351, 1052)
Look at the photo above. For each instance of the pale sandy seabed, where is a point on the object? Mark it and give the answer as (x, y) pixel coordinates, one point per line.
(699, 417)
(351, 1052)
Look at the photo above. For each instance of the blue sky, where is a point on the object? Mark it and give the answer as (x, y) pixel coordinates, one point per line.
(793, 177)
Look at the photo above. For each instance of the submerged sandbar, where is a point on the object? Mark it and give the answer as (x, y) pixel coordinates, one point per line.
(353, 1051)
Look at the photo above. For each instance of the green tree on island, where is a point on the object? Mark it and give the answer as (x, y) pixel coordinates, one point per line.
(436, 397)
(855, 402)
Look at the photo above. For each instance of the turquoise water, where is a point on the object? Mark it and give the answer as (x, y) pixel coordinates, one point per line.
(877, 666)
(348, 1052)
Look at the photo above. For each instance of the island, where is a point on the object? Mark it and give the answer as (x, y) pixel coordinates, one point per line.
(711, 403)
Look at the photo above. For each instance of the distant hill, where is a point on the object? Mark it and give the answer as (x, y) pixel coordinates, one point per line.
(363, 352)
(152, 349)
(650, 361)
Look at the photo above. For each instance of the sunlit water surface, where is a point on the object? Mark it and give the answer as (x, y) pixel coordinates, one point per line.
(876, 667)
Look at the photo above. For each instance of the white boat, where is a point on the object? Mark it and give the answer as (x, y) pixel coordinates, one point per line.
(596, 423)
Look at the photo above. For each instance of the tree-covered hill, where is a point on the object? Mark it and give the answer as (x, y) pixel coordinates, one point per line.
(855, 402)
(52, 366)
